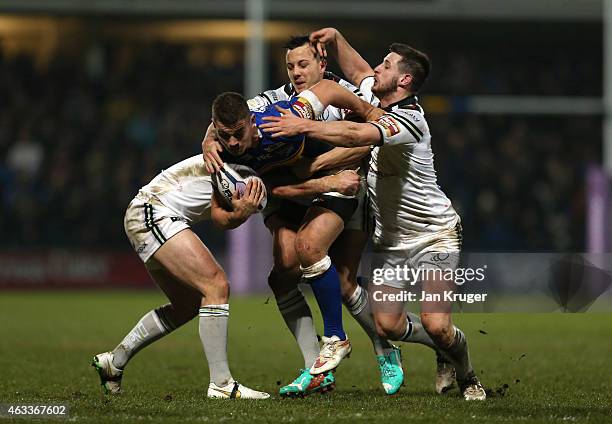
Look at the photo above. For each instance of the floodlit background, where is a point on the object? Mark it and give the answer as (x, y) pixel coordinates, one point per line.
(97, 97)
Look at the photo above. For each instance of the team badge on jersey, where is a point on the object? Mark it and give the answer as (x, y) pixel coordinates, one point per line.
(256, 104)
(303, 108)
(390, 125)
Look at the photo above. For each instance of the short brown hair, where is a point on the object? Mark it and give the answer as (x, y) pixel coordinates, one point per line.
(296, 41)
(229, 108)
(414, 62)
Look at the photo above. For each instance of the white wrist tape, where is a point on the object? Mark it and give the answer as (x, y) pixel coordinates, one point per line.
(317, 106)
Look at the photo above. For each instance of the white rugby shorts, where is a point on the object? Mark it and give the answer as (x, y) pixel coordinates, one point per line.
(148, 224)
(439, 250)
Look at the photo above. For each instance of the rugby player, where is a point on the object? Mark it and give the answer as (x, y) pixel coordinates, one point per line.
(305, 68)
(243, 143)
(158, 224)
(414, 220)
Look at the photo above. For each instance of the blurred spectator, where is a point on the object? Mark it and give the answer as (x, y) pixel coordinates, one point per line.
(25, 156)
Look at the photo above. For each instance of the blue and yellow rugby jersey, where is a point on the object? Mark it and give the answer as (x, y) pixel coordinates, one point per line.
(271, 152)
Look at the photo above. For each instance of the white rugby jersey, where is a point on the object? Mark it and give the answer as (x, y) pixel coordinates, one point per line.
(185, 188)
(406, 199)
(287, 91)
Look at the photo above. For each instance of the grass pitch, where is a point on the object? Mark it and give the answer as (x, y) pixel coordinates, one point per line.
(539, 367)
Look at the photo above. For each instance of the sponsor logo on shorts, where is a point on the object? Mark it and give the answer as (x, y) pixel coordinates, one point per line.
(440, 257)
(389, 124)
(141, 248)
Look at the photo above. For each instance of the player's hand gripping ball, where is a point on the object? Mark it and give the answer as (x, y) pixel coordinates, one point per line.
(232, 178)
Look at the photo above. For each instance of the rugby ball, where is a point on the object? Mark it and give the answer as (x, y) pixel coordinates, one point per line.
(232, 178)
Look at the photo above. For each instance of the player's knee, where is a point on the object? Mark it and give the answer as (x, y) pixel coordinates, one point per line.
(221, 285)
(308, 251)
(438, 327)
(215, 286)
(384, 330)
(388, 326)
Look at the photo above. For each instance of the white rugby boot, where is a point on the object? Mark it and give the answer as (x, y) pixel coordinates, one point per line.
(234, 390)
(333, 351)
(472, 389)
(110, 376)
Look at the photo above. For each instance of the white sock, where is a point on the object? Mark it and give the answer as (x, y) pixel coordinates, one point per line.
(213, 334)
(152, 326)
(359, 307)
(297, 316)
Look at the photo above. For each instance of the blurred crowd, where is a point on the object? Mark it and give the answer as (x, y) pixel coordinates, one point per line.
(516, 70)
(80, 136)
(78, 139)
(517, 182)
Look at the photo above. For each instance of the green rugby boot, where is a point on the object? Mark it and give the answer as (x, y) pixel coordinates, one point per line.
(391, 371)
(306, 384)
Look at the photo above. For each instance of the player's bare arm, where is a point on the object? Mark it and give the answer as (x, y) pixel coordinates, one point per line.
(211, 147)
(242, 206)
(326, 93)
(338, 157)
(345, 182)
(338, 133)
(331, 93)
(353, 66)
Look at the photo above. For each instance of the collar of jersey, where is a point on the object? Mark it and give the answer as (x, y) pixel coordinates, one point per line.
(409, 102)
